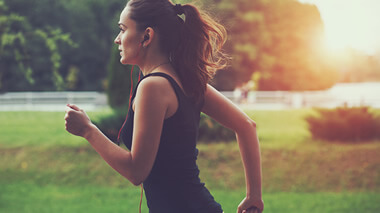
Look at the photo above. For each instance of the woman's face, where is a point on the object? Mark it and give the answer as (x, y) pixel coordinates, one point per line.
(128, 39)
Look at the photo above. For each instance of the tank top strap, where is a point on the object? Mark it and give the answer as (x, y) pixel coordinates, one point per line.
(168, 77)
(176, 87)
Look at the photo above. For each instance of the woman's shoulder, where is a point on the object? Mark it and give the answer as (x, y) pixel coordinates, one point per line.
(154, 85)
(154, 92)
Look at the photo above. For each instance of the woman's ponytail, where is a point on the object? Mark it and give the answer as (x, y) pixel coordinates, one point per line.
(198, 54)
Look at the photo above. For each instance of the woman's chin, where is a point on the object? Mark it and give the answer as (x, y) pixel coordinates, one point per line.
(123, 61)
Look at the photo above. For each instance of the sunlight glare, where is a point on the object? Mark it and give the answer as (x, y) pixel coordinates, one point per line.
(350, 24)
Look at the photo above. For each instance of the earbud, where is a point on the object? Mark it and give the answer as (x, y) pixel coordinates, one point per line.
(146, 37)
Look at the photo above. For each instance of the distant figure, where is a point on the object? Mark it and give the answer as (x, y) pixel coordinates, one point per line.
(177, 57)
(243, 92)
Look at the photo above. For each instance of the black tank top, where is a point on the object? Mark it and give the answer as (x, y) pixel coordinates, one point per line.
(173, 184)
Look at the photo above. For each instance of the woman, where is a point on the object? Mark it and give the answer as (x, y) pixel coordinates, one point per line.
(177, 58)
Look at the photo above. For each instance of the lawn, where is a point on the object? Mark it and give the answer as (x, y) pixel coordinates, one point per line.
(27, 197)
(44, 169)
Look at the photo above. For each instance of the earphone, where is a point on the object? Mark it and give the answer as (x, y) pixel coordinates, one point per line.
(146, 38)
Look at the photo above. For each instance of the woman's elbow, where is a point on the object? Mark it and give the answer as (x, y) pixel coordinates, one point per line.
(136, 180)
(252, 123)
(137, 177)
(246, 125)
(134, 173)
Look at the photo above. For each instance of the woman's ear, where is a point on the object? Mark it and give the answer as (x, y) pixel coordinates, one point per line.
(148, 36)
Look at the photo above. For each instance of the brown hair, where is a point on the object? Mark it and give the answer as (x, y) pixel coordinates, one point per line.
(194, 43)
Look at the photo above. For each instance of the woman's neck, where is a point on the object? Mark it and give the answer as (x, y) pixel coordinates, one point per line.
(153, 63)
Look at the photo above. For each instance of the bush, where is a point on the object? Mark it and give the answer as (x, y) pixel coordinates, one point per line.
(344, 124)
(209, 130)
(212, 131)
(110, 124)
(119, 81)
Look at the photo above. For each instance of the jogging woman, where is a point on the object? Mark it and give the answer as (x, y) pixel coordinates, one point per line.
(178, 49)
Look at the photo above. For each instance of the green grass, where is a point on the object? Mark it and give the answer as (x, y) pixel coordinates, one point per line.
(18, 129)
(281, 128)
(28, 197)
(34, 129)
(24, 197)
(276, 128)
(45, 169)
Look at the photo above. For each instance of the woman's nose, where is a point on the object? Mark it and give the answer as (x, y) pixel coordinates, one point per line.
(117, 39)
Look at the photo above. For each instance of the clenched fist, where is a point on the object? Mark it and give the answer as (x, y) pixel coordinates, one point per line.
(251, 205)
(76, 121)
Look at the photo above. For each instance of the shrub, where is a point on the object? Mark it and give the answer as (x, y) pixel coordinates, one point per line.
(212, 131)
(119, 81)
(344, 124)
(209, 130)
(110, 124)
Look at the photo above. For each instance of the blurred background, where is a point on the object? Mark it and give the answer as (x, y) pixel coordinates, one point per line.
(307, 71)
(298, 47)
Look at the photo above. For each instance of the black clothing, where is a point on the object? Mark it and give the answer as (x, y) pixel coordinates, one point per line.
(173, 184)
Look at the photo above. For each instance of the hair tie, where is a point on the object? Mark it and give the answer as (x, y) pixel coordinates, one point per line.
(178, 9)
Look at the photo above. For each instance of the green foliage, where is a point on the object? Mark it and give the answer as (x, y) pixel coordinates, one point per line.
(111, 123)
(72, 78)
(119, 81)
(280, 40)
(211, 131)
(51, 42)
(344, 124)
(24, 50)
(60, 35)
(93, 25)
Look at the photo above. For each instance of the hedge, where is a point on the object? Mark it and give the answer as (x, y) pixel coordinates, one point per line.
(347, 124)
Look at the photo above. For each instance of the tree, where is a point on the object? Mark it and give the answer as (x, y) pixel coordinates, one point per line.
(29, 57)
(279, 41)
(92, 26)
(119, 82)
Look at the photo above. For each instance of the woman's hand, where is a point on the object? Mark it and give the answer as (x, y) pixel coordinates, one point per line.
(251, 205)
(77, 121)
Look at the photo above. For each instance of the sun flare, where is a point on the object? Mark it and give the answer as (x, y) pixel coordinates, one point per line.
(350, 24)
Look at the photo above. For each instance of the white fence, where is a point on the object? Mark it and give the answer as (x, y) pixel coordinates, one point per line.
(51, 101)
(361, 94)
(294, 100)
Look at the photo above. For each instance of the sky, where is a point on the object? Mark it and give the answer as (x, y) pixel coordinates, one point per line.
(350, 23)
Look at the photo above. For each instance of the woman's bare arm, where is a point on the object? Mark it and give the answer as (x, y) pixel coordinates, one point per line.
(228, 114)
(150, 110)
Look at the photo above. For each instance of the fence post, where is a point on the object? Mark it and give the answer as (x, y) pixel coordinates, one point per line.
(297, 100)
